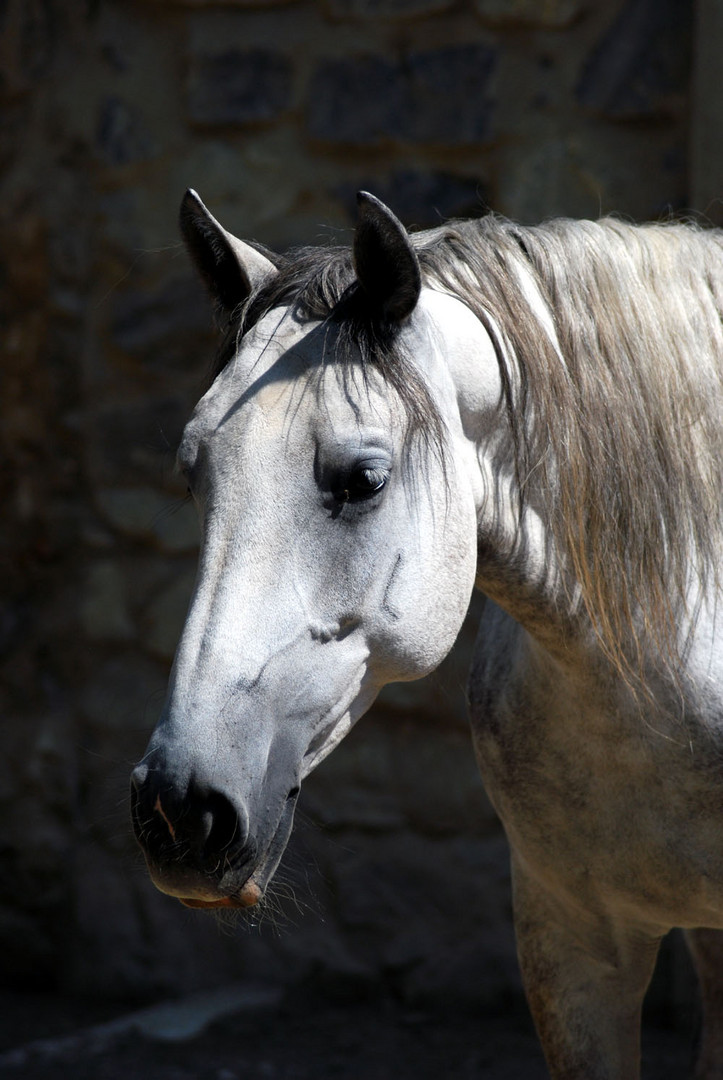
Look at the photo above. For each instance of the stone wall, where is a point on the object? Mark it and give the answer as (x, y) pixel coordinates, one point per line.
(277, 112)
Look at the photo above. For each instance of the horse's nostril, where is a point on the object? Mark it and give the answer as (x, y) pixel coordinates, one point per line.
(187, 824)
(223, 827)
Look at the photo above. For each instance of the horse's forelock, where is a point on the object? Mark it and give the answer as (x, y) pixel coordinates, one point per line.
(319, 285)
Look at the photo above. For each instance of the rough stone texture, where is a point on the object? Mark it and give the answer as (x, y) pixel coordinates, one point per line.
(145, 514)
(449, 95)
(234, 87)
(362, 101)
(29, 34)
(277, 113)
(706, 147)
(163, 617)
(122, 136)
(166, 326)
(436, 96)
(641, 67)
(386, 9)
(226, 3)
(421, 199)
(546, 14)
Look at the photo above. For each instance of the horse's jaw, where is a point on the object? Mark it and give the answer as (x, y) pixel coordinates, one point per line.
(338, 722)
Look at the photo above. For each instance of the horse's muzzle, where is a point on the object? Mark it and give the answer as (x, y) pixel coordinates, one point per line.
(197, 841)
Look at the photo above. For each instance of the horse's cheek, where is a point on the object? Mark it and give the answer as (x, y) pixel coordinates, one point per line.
(427, 595)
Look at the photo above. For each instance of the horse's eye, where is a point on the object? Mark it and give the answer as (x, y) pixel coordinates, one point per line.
(363, 482)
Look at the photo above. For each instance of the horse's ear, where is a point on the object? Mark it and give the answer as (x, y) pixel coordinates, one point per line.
(386, 263)
(230, 269)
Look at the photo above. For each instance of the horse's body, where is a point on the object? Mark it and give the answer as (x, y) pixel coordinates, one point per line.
(539, 413)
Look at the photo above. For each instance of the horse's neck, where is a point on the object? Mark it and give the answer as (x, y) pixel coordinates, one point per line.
(518, 567)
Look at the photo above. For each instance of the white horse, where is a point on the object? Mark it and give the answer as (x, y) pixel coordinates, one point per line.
(537, 412)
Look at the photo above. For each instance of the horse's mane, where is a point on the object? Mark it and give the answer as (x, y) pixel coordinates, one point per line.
(620, 419)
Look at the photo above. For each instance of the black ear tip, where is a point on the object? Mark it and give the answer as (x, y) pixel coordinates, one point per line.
(191, 203)
(375, 214)
(369, 204)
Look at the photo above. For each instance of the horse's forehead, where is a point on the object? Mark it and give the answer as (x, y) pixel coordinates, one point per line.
(278, 348)
(285, 378)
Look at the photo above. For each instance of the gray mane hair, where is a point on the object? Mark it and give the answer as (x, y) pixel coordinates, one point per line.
(621, 420)
(623, 426)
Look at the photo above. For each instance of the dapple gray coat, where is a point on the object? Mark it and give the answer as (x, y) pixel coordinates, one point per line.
(534, 412)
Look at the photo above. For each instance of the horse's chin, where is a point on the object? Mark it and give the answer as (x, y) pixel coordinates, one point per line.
(247, 897)
(208, 895)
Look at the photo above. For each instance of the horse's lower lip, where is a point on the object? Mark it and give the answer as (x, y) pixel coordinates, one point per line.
(247, 897)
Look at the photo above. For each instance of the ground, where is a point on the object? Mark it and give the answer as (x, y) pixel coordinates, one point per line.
(271, 1034)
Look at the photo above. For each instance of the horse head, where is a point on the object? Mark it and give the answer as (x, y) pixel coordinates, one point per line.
(337, 487)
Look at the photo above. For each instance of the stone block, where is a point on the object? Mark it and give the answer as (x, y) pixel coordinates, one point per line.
(14, 121)
(29, 945)
(360, 101)
(167, 326)
(424, 911)
(29, 33)
(47, 776)
(227, 3)
(545, 14)
(480, 975)
(546, 178)
(142, 513)
(121, 134)
(386, 9)
(705, 169)
(104, 607)
(421, 199)
(449, 93)
(238, 88)
(101, 885)
(640, 68)
(438, 785)
(165, 614)
(439, 96)
(119, 704)
(138, 439)
(388, 775)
